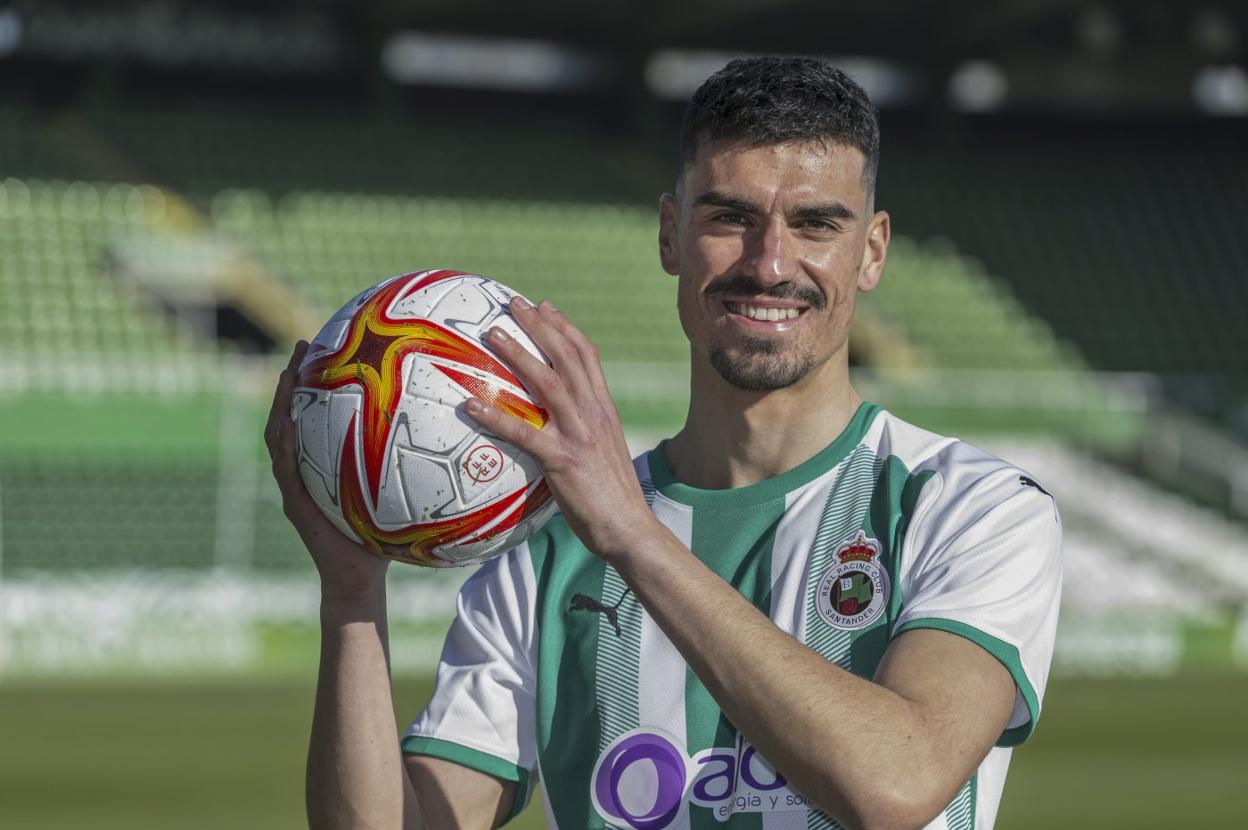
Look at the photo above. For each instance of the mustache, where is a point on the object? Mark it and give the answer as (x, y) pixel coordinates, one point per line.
(741, 284)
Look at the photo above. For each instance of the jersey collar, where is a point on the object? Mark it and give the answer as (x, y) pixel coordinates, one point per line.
(770, 489)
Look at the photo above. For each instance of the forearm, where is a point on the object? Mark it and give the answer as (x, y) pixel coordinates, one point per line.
(848, 744)
(355, 775)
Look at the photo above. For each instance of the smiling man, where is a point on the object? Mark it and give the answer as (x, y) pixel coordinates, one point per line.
(798, 612)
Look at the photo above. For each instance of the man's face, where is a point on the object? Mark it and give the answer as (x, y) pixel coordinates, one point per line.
(771, 243)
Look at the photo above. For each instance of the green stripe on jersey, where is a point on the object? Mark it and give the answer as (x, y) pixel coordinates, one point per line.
(567, 715)
(819, 820)
(893, 503)
(909, 499)
(842, 518)
(618, 668)
(736, 544)
(619, 658)
(960, 814)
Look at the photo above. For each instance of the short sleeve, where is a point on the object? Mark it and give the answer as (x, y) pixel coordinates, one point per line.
(482, 713)
(982, 560)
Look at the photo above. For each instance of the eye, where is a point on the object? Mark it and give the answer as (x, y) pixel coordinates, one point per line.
(731, 218)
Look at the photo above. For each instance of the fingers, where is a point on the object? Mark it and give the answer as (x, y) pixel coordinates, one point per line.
(548, 384)
(579, 364)
(281, 440)
(296, 501)
(591, 363)
(537, 323)
(537, 443)
(279, 410)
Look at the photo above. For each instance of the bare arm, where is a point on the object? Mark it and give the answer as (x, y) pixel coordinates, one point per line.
(356, 775)
(451, 795)
(918, 731)
(881, 754)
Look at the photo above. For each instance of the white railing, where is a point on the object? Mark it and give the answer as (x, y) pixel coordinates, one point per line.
(1179, 449)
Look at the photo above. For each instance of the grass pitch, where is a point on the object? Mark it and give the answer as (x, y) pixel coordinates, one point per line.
(230, 753)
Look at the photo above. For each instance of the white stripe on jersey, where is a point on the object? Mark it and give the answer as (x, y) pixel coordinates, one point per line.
(663, 667)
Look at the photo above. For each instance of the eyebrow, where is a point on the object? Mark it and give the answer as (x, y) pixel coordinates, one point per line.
(819, 210)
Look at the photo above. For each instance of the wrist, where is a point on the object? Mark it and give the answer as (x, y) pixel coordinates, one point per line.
(631, 543)
(344, 603)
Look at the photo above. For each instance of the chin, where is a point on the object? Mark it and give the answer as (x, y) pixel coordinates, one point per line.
(764, 371)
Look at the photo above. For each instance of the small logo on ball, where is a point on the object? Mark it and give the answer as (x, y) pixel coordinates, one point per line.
(483, 464)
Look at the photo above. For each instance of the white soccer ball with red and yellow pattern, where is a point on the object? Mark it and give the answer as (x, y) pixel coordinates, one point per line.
(385, 447)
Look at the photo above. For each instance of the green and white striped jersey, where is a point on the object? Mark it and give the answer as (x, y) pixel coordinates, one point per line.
(552, 670)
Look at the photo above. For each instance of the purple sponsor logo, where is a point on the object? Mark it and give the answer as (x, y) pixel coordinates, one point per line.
(723, 771)
(643, 780)
(640, 780)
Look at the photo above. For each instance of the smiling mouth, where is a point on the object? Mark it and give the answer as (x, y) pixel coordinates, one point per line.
(764, 313)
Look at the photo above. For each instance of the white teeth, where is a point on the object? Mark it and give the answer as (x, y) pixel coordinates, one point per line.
(770, 314)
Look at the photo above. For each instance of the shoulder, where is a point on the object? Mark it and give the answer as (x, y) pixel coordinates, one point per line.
(983, 545)
(951, 471)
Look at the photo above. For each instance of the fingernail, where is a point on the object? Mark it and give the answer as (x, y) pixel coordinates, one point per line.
(474, 406)
(498, 334)
(548, 305)
(521, 302)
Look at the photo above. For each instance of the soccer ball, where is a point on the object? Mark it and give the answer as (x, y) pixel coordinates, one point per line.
(385, 448)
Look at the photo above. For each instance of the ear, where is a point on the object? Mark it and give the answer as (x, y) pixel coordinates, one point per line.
(669, 241)
(875, 252)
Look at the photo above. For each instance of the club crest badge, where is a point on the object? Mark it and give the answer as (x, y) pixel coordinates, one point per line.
(853, 593)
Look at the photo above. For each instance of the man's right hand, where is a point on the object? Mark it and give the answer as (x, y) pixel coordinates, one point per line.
(349, 571)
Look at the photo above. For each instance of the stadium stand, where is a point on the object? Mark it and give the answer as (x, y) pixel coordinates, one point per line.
(459, 156)
(103, 513)
(1025, 209)
(55, 239)
(1077, 234)
(598, 260)
(1074, 221)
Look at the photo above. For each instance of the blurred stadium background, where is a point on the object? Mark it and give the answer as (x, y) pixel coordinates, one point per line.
(187, 188)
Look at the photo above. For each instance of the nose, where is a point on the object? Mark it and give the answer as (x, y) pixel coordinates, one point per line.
(770, 256)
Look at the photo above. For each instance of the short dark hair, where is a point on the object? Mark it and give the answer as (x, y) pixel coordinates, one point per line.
(772, 100)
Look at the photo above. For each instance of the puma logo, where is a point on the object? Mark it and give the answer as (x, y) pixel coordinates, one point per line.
(580, 602)
(1031, 482)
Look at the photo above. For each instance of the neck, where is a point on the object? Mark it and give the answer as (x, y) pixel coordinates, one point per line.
(733, 438)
